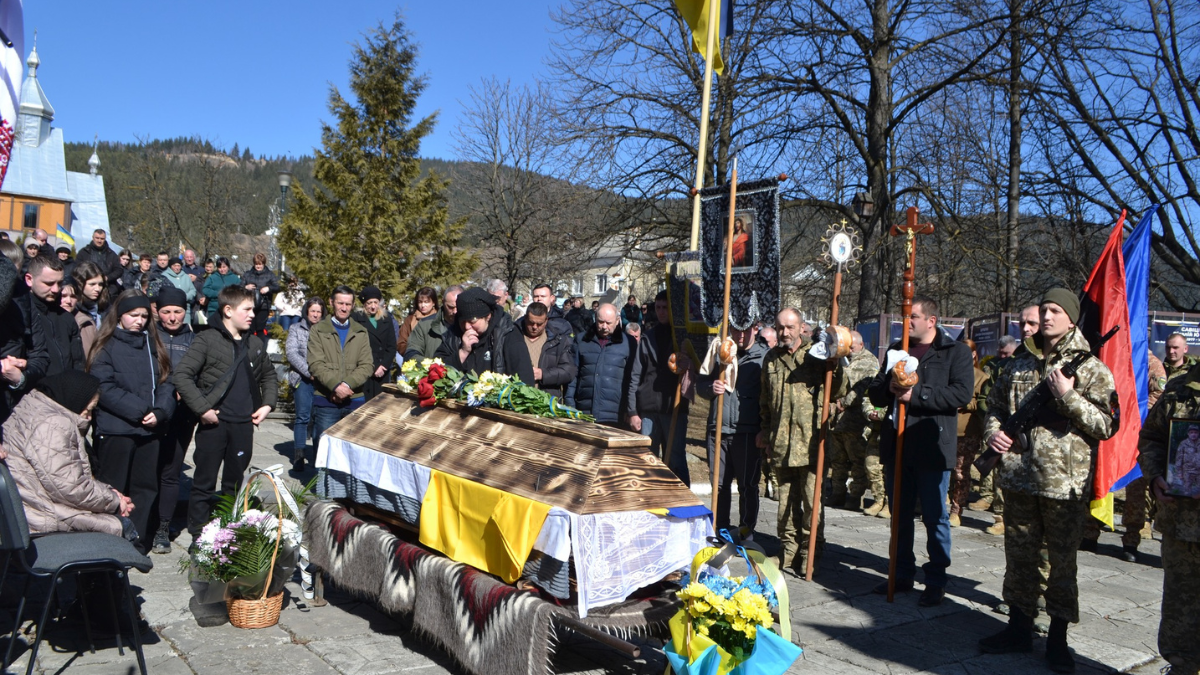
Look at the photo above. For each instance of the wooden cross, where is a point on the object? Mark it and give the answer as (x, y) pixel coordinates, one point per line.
(909, 230)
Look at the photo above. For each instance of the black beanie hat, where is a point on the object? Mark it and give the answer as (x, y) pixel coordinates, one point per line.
(170, 296)
(1065, 299)
(370, 293)
(474, 303)
(72, 389)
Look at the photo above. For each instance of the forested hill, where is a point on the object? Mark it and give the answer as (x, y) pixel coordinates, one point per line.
(207, 190)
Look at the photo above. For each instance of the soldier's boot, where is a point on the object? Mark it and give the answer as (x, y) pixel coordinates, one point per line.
(1016, 637)
(1130, 553)
(1089, 545)
(981, 504)
(874, 509)
(955, 520)
(1058, 654)
(836, 499)
(997, 528)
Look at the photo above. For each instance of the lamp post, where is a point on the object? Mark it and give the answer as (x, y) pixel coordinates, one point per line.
(277, 213)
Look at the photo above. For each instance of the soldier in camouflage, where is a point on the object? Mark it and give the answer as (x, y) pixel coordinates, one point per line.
(1177, 361)
(790, 408)
(970, 432)
(1178, 520)
(874, 416)
(1047, 479)
(848, 440)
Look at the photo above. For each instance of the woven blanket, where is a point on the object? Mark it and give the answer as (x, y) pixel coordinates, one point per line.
(487, 626)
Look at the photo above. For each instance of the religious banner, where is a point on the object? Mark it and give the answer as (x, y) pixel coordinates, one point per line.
(754, 279)
(12, 64)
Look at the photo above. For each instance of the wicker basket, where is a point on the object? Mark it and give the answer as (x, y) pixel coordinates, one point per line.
(261, 612)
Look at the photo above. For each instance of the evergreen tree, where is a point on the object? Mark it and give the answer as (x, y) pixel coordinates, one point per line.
(371, 218)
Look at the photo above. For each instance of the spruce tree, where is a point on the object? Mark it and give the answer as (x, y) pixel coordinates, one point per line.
(371, 218)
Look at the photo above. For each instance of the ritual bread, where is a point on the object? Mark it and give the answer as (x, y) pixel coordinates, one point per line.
(902, 377)
(839, 342)
(673, 364)
(728, 351)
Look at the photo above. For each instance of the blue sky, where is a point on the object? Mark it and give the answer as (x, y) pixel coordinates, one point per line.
(257, 72)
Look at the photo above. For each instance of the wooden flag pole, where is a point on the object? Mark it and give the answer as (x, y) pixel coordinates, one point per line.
(719, 401)
(705, 102)
(909, 231)
(830, 364)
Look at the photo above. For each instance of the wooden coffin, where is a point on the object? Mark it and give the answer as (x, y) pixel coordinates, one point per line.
(578, 466)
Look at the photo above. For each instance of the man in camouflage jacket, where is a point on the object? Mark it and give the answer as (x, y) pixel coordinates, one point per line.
(790, 410)
(1047, 482)
(1179, 521)
(851, 431)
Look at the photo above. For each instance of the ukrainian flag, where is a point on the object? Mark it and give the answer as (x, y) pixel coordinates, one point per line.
(695, 13)
(65, 236)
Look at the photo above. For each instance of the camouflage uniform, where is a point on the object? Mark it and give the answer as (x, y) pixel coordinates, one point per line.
(790, 407)
(1047, 487)
(970, 428)
(1175, 371)
(1179, 522)
(852, 432)
(987, 485)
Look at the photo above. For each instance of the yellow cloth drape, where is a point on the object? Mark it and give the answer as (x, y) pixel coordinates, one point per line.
(695, 13)
(480, 525)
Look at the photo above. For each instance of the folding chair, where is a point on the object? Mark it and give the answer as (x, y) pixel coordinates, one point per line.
(54, 556)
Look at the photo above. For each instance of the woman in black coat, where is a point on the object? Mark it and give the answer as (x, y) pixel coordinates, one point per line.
(136, 402)
(383, 331)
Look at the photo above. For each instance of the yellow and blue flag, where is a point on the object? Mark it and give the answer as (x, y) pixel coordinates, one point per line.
(695, 13)
(65, 236)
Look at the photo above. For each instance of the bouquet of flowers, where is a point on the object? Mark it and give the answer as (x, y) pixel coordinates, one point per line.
(725, 624)
(235, 554)
(431, 381)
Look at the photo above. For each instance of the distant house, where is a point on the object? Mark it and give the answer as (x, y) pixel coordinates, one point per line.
(38, 191)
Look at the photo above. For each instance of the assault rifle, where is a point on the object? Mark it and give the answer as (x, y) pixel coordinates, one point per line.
(1033, 410)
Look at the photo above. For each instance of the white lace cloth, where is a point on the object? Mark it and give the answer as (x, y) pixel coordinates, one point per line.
(615, 553)
(618, 553)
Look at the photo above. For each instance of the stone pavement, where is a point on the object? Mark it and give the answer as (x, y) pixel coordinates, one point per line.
(842, 627)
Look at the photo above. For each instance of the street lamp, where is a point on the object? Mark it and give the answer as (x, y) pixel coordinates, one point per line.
(285, 182)
(863, 204)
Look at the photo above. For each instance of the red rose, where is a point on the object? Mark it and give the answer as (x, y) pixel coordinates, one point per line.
(427, 402)
(436, 372)
(424, 389)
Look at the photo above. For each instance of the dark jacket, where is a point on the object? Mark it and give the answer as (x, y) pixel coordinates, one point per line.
(204, 374)
(264, 279)
(109, 263)
(132, 280)
(22, 336)
(501, 349)
(383, 349)
(651, 384)
(129, 388)
(580, 319)
(62, 336)
(603, 380)
(557, 364)
(740, 414)
(946, 382)
(631, 314)
(177, 345)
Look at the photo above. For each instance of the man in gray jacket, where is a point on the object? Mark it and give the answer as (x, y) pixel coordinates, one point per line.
(740, 423)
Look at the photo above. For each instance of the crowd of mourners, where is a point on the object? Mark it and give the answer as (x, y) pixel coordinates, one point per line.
(112, 367)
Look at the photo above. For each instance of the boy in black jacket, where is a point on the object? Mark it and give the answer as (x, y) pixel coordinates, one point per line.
(227, 380)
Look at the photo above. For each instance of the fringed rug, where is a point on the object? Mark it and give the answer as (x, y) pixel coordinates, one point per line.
(489, 627)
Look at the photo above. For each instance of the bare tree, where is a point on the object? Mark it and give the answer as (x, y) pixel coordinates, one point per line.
(864, 76)
(1114, 119)
(527, 201)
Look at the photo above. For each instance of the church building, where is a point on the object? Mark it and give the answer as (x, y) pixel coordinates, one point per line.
(38, 191)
